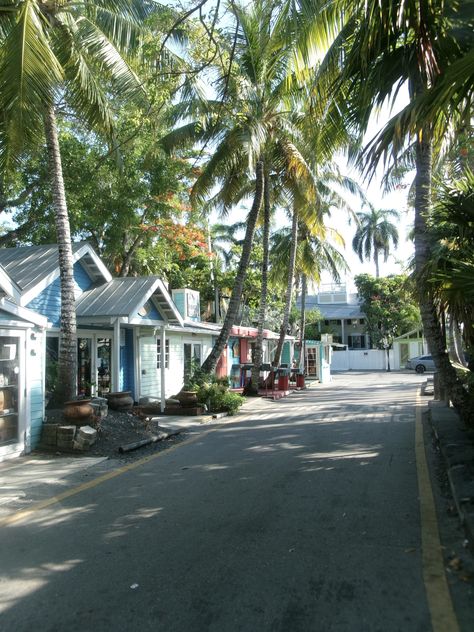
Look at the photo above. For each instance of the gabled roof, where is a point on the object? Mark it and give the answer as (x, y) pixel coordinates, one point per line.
(23, 313)
(123, 297)
(8, 287)
(32, 268)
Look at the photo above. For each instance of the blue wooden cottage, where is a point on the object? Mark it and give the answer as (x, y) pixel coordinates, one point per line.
(131, 335)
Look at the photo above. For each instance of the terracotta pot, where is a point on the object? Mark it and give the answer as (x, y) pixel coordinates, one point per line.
(78, 411)
(187, 399)
(121, 400)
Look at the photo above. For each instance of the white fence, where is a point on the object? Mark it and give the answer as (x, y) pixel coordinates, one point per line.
(361, 359)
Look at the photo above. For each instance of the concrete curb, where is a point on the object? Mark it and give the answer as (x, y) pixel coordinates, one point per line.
(456, 443)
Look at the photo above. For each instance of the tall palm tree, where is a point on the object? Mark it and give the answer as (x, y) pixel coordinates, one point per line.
(316, 251)
(385, 45)
(374, 234)
(71, 53)
(250, 125)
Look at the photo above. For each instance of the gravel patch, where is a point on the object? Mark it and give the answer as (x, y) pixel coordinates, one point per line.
(118, 429)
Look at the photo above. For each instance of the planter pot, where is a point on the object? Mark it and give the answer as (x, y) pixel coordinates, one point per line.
(121, 400)
(78, 411)
(187, 399)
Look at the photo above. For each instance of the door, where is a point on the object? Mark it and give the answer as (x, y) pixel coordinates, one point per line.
(192, 358)
(10, 389)
(94, 362)
(104, 364)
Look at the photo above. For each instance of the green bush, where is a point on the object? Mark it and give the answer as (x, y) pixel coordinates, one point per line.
(231, 402)
(217, 397)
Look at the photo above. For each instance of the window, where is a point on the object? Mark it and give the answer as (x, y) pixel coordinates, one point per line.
(158, 353)
(362, 321)
(192, 358)
(356, 341)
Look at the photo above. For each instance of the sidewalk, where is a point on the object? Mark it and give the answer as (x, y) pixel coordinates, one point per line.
(456, 444)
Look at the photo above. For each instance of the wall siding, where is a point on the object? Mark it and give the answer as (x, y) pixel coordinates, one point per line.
(179, 301)
(153, 314)
(48, 302)
(35, 386)
(150, 381)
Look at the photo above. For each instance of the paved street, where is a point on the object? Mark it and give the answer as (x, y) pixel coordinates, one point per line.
(302, 517)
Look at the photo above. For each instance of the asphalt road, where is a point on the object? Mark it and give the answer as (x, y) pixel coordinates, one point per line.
(302, 518)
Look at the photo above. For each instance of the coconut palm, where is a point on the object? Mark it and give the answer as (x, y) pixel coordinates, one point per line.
(374, 234)
(386, 45)
(251, 125)
(316, 251)
(70, 53)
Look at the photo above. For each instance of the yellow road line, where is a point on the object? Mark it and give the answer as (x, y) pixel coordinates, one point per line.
(443, 617)
(25, 513)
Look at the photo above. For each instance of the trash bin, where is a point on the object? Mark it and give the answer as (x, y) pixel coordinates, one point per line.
(283, 379)
(299, 380)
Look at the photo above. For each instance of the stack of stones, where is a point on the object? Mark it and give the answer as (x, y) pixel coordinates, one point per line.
(68, 437)
(49, 435)
(86, 436)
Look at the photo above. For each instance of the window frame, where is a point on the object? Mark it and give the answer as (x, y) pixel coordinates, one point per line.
(158, 353)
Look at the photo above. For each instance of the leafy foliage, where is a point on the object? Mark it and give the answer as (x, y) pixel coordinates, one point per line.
(389, 307)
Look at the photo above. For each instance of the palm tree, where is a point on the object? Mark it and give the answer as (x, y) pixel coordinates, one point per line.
(251, 125)
(70, 53)
(374, 234)
(313, 254)
(386, 45)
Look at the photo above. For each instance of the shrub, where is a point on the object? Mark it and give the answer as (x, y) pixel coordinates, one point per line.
(217, 397)
(231, 402)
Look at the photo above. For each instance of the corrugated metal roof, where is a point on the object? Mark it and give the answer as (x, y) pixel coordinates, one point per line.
(118, 297)
(28, 265)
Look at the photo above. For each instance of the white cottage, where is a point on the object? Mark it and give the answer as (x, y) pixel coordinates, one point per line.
(22, 340)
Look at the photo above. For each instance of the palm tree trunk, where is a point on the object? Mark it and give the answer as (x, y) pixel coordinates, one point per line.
(303, 323)
(210, 363)
(455, 346)
(262, 312)
(289, 289)
(376, 260)
(67, 374)
(429, 314)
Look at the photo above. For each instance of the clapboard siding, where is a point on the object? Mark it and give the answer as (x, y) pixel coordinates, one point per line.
(174, 374)
(48, 302)
(35, 385)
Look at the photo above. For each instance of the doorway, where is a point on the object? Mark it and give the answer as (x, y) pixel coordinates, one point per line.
(10, 388)
(192, 358)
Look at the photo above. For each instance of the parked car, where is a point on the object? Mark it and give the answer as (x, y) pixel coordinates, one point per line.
(421, 364)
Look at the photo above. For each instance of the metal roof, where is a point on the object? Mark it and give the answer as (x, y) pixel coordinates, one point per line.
(28, 266)
(123, 297)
